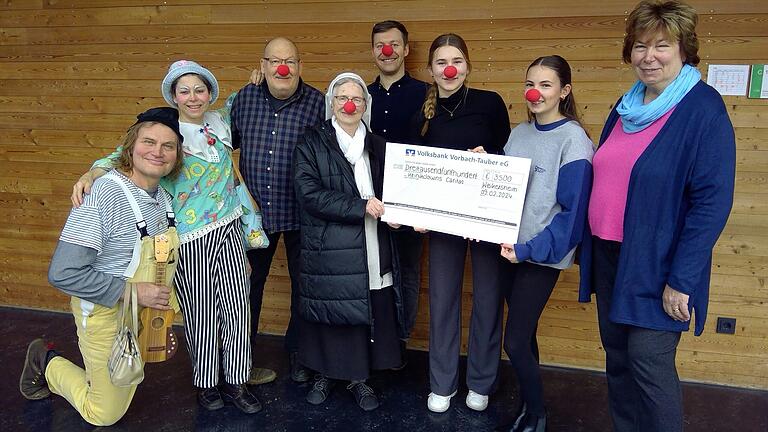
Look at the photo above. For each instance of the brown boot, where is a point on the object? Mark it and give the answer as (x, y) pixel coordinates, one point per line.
(261, 376)
(32, 382)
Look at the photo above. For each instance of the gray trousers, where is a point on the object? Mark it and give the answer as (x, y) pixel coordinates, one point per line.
(643, 386)
(446, 274)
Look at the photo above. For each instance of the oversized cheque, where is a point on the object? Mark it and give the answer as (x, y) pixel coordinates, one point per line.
(474, 195)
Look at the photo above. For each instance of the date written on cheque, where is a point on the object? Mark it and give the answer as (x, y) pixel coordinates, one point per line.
(498, 184)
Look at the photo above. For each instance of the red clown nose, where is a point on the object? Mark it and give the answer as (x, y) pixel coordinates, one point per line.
(349, 107)
(283, 70)
(387, 50)
(533, 95)
(450, 71)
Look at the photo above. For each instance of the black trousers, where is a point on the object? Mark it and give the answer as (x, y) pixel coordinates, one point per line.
(261, 260)
(527, 288)
(643, 386)
(409, 246)
(446, 276)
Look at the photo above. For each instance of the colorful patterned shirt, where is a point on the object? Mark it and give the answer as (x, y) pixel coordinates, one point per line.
(204, 196)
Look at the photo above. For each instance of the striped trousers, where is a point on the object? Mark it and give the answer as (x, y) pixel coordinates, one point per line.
(213, 290)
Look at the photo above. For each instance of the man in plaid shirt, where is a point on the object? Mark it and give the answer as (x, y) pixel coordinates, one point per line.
(268, 120)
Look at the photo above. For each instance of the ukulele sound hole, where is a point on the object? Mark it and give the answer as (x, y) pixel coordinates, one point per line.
(158, 323)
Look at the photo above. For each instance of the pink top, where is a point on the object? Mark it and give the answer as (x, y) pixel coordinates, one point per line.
(612, 166)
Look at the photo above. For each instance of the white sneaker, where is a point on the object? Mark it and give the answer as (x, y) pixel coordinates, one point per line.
(476, 401)
(438, 404)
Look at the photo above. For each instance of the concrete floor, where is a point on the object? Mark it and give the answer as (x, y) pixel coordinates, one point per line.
(165, 401)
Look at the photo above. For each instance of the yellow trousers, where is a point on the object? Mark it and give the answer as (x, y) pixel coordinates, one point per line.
(90, 391)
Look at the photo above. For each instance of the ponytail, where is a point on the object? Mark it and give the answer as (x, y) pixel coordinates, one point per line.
(569, 110)
(430, 103)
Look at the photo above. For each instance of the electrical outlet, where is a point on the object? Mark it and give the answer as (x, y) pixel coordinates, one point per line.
(726, 325)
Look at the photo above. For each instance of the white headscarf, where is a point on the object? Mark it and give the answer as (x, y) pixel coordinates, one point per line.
(353, 146)
(368, 98)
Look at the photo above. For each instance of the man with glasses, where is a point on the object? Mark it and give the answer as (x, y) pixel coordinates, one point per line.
(268, 120)
(396, 98)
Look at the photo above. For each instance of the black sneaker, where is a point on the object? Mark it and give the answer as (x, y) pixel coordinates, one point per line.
(32, 382)
(364, 395)
(241, 397)
(299, 373)
(210, 398)
(320, 390)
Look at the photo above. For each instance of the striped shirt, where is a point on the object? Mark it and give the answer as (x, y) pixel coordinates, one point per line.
(106, 222)
(266, 136)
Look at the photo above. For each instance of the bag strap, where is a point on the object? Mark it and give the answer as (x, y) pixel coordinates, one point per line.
(126, 301)
(134, 311)
(130, 297)
(243, 185)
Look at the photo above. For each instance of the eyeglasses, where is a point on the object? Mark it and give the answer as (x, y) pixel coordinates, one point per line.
(275, 62)
(355, 100)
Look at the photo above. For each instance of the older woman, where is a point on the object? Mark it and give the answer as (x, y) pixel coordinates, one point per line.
(211, 279)
(663, 188)
(348, 295)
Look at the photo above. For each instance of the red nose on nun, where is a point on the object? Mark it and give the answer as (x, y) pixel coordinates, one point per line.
(450, 71)
(532, 95)
(349, 107)
(283, 70)
(387, 50)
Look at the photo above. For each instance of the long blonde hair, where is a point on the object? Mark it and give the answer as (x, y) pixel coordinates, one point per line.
(430, 102)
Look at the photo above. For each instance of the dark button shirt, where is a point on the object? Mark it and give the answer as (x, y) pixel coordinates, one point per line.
(393, 109)
(266, 134)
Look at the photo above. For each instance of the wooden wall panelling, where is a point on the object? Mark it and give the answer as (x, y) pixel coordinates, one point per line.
(73, 74)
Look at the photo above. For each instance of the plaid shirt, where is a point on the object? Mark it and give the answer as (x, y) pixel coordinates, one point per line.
(266, 137)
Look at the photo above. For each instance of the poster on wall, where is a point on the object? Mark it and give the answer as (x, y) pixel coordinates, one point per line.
(758, 85)
(728, 80)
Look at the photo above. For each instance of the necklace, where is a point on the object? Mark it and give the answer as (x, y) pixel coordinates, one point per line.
(466, 90)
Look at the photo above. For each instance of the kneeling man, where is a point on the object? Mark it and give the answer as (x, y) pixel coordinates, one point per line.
(99, 256)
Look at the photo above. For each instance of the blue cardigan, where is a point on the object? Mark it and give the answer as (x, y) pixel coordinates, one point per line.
(679, 197)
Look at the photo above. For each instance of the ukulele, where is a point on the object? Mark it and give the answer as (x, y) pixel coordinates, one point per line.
(156, 339)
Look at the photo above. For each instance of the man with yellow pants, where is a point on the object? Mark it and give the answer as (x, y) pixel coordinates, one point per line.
(99, 256)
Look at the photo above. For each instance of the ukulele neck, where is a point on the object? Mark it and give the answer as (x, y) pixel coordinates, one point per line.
(160, 273)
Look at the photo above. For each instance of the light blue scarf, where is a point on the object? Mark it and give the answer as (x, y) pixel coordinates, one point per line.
(635, 116)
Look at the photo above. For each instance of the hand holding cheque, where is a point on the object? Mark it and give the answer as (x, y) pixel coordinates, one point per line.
(469, 194)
